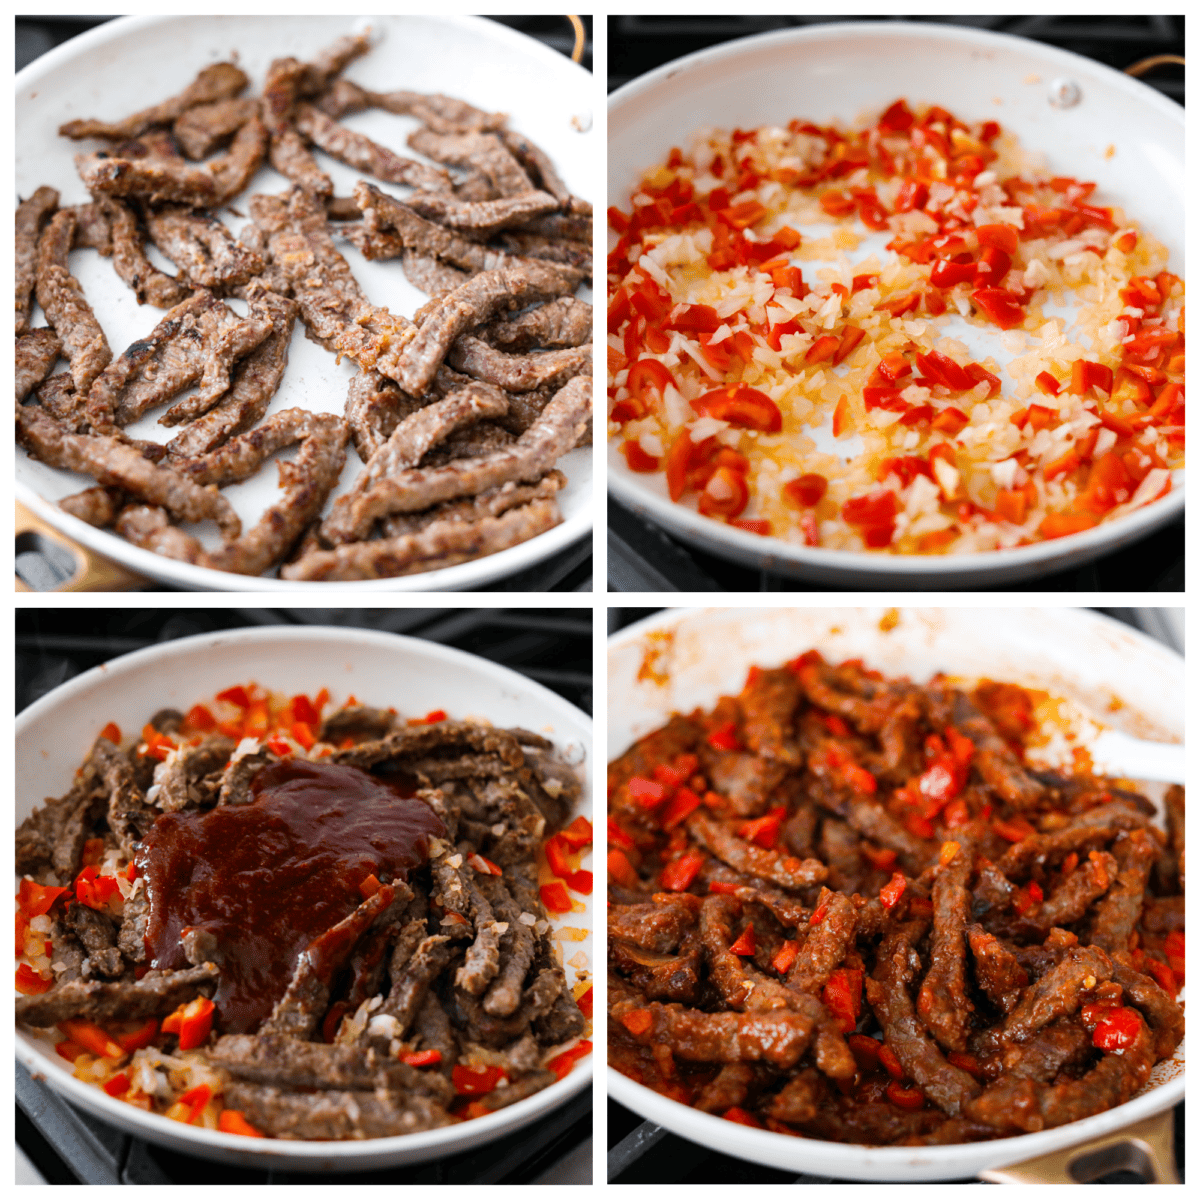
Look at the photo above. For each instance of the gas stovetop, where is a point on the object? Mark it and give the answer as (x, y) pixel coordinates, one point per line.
(63, 1144)
(641, 557)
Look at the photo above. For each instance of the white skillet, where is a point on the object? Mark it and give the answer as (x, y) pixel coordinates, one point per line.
(414, 676)
(1120, 677)
(838, 71)
(126, 64)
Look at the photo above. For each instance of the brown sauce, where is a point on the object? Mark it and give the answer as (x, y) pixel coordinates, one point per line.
(269, 877)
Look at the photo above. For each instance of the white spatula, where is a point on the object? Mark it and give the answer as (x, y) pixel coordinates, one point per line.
(1115, 753)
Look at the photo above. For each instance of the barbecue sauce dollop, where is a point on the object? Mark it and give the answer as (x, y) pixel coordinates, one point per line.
(268, 877)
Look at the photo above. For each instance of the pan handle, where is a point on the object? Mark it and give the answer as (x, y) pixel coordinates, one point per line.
(1143, 66)
(580, 39)
(91, 573)
(1147, 1148)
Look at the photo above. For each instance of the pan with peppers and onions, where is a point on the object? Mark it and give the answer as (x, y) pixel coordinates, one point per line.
(871, 328)
(275, 923)
(886, 923)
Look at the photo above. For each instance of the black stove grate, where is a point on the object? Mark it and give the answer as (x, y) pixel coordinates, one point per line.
(641, 557)
(551, 646)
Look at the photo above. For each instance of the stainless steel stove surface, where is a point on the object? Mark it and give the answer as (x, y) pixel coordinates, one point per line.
(641, 557)
(58, 1143)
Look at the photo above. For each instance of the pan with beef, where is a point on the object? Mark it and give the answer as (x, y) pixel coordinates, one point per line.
(994, 952)
(306, 923)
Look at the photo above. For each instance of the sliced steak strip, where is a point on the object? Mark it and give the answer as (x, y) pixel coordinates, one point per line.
(563, 322)
(92, 230)
(31, 215)
(149, 527)
(1115, 917)
(36, 354)
(482, 960)
(155, 180)
(518, 372)
(256, 379)
(411, 982)
(485, 152)
(1073, 897)
(97, 506)
(517, 951)
(176, 779)
(1158, 1006)
(288, 153)
(429, 275)
(156, 994)
(53, 835)
(1059, 992)
(528, 459)
(572, 227)
(301, 246)
(492, 503)
(204, 128)
(481, 217)
(145, 280)
(560, 250)
(118, 465)
(202, 248)
(824, 950)
(220, 81)
(197, 341)
(358, 151)
(334, 1115)
(993, 759)
(98, 935)
(357, 720)
(537, 165)
(997, 971)
(753, 859)
(943, 1003)
(374, 407)
(234, 170)
(62, 299)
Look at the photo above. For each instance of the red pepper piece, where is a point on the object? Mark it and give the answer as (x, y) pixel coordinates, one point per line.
(679, 874)
(475, 1081)
(746, 944)
(554, 895)
(890, 893)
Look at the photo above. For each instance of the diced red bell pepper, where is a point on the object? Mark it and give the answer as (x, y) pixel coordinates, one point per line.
(1162, 975)
(621, 870)
(235, 695)
(739, 1116)
(743, 406)
(422, 1058)
(30, 983)
(842, 995)
(194, 1101)
(485, 866)
(112, 732)
(585, 1003)
(724, 737)
(785, 956)
(191, 1022)
(476, 1081)
(647, 792)
(142, 1036)
(556, 849)
(910, 1098)
(745, 944)
(91, 1037)
(890, 893)
(1003, 237)
(581, 882)
(554, 895)
(561, 1064)
(682, 805)
(726, 493)
(889, 1061)
(578, 834)
(35, 899)
(1014, 829)
(679, 874)
(232, 1121)
(763, 831)
(1117, 1029)
(998, 306)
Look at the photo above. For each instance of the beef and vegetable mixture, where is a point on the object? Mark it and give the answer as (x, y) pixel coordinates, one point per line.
(459, 411)
(270, 920)
(846, 907)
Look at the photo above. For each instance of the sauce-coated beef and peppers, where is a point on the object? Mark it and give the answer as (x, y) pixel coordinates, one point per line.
(846, 907)
(262, 921)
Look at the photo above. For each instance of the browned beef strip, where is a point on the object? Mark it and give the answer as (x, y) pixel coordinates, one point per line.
(572, 227)
(344, 99)
(778, 1037)
(481, 217)
(800, 1099)
(746, 856)
(1073, 897)
(476, 442)
(845, 691)
(824, 950)
(155, 995)
(432, 277)
(873, 821)
(1049, 849)
(993, 890)
(118, 465)
(92, 230)
(993, 759)
(660, 976)
(1156, 1004)
(518, 372)
(374, 407)
(948, 1086)
(37, 352)
(145, 280)
(482, 960)
(98, 935)
(528, 459)
(745, 779)
(154, 180)
(31, 214)
(220, 81)
(1115, 917)
(503, 996)
(358, 151)
(1062, 1043)
(769, 703)
(356, 720)
(97, 506)
(483, 151)
(563, 322)
(726, 973)
(1059, 992)
(178, 779)
(997, 971)
(256, 379)
(537, 165)
(197, 341)
(202, 248)
(475, 301)
(943, 1003)
(442, 114)
(441, 544)
(1016, 1102)
(204, 128)
(234, 170)
(560, 250)
(1175, 805)
(302, 247)
(411, 980)
(53, 835)
(66, 308)
(334, 1115)
(149, 526)
(492, 503)
(331, 62)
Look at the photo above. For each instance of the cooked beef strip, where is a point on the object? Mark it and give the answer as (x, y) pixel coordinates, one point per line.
(256, 379)
(375, 244)
(301, 246)
(92, 230)
(97, 506)
(31, 215)
(202, 248)
(560, 250)
(528, 459)
(358, 151)
(220, 81)
(288, 153)
(481, 217)
(154, 995)
(824, 950)
(145, 280)
(1175, 806)
(36, 355)
(798, 1101)
(412, 982)
(1115, 917)
(53, 835)
(537, 165)
(433, 278)
(1042, 850)
(98, 935)
(1059, 992)
(517, 951)
(206, 127)
(529, 1084)
(149, 527)
(492, 503)
(1161, 1010)
(1074, 896)
(479, 441)
(118, 465)
(948, 1086)
(993, 759)
(483, 151)
(334, 1115)
(332, 61)
(997, 971)
(519, 373)
(571, 227)
(482, 960)
(374, 407)
(62, 299)
(177, 778)
(155, 180)
(357, 720)
(943, 1003)
(560, 323)
(746, 856)
(234, 170)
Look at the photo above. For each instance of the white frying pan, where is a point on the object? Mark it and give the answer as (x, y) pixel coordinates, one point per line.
(680, 659)
(127, 64)
(839, 71)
